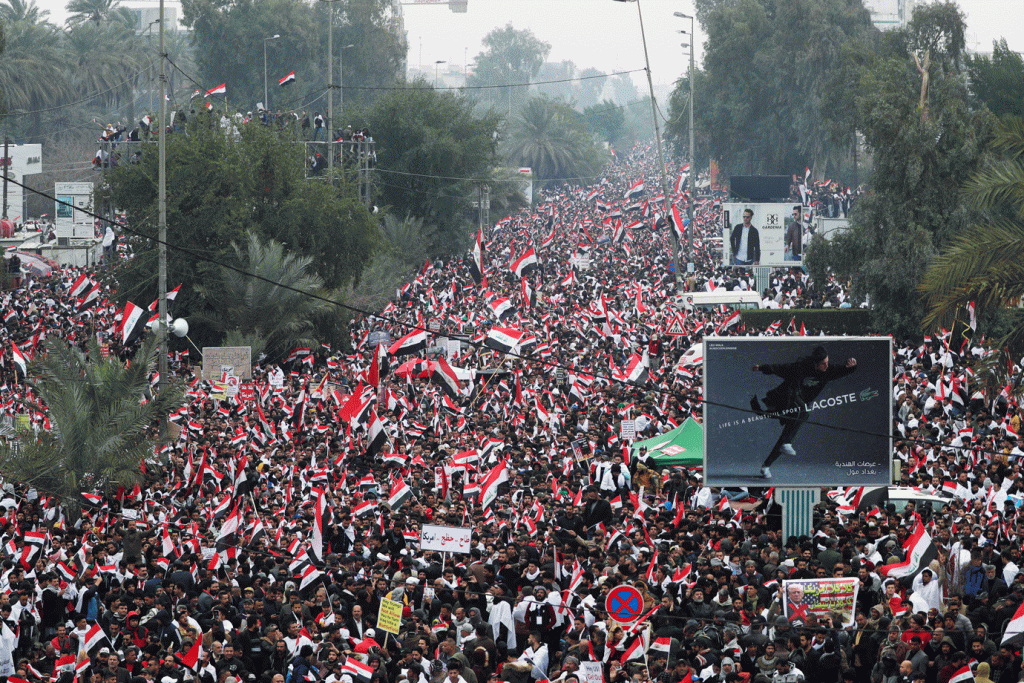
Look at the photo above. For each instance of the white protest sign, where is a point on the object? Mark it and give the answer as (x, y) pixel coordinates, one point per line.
(446, 539)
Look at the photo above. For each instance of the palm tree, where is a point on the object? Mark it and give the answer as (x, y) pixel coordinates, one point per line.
(548, 137)
(986, 264)
(32, 70)
(19, 10)
(273, 309)
(95, 68)
(98, 12)
(102, 420)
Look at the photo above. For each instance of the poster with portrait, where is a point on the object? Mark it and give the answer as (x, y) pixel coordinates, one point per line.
(779, 230)
(820, 597)
(797, 411)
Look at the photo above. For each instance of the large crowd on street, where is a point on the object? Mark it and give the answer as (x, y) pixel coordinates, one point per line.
(265, 539)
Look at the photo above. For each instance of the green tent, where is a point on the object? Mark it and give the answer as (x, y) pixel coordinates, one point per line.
(683, 446)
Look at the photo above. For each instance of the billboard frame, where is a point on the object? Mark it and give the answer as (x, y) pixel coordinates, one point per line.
(881, 477)
(766, 216)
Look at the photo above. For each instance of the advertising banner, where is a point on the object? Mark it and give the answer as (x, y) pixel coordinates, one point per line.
(820, 597)
(774, 237)
(797, 411)
(446, 539)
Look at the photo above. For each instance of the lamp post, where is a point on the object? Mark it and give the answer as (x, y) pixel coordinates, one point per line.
(661, 155)
(341, 77)
(693, 162)
(436, 64)
(266, 104)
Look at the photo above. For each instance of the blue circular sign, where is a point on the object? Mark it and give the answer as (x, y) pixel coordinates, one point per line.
(624, 604)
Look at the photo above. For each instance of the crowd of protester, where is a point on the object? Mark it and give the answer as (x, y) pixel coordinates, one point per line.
(263, 544)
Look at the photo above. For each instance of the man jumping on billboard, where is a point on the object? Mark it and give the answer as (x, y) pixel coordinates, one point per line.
(802, 382)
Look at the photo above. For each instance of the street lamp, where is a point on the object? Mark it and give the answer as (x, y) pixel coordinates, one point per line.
(661, 154)
(693, 161)
(266, 105)
(436, 64)
(341, 77)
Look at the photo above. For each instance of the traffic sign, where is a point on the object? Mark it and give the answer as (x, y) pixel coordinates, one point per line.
(624, 604)
(676, 328)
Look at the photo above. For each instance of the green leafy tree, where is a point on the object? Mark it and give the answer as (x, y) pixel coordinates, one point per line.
(551, 137)
(433, 154)
(270, 302)
(228, 36)
(607, 120)
(376, 59)
(20, 10)
(767, 84)
(102, 416)
(985, 263)
(919, 154)
(218, 189)
(997, 81)
(510, 58)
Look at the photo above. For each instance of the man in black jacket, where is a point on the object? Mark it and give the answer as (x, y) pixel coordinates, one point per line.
(802, 382)
(745, 242)
(596, 510)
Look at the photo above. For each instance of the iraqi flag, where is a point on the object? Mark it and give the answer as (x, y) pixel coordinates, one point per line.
(503, 339)
(1015, 627)
(489, 486)
(409, 344)
(525, 264)
(529, 295)
(190, 660)
(130, 318)
(662, 645)
(635, 190)
(94, 639)
(964, 675)
(729, 322)
(443, 376)
(80, 286)
(19, 359)
(359, 671)
(318, 526)
(476, 262)
(920, 551)
(90, 298)
(638, 369)
(287, 80)
(400, 493)
(376, 437)
(219, 90)
(501, 307)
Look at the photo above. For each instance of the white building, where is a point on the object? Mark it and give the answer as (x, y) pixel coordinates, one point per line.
(887, 14)
(25, 160)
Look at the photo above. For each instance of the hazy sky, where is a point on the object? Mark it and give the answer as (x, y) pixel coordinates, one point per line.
(606, 34)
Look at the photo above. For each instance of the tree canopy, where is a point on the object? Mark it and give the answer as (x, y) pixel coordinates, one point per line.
(997, 81)
(103, 417)
(764, 98)
(920, 155)
(433, 153)
(510, 57)
(219, 188)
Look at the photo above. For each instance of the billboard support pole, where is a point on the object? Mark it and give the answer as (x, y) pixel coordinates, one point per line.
(798, 511)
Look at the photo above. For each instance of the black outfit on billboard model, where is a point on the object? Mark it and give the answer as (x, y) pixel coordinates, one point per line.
(802, 382)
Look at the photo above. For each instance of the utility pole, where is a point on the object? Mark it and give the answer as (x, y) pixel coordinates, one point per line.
(7, 165)
(161, 286)
(661, 156)
(693, 160)
(330, 90)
